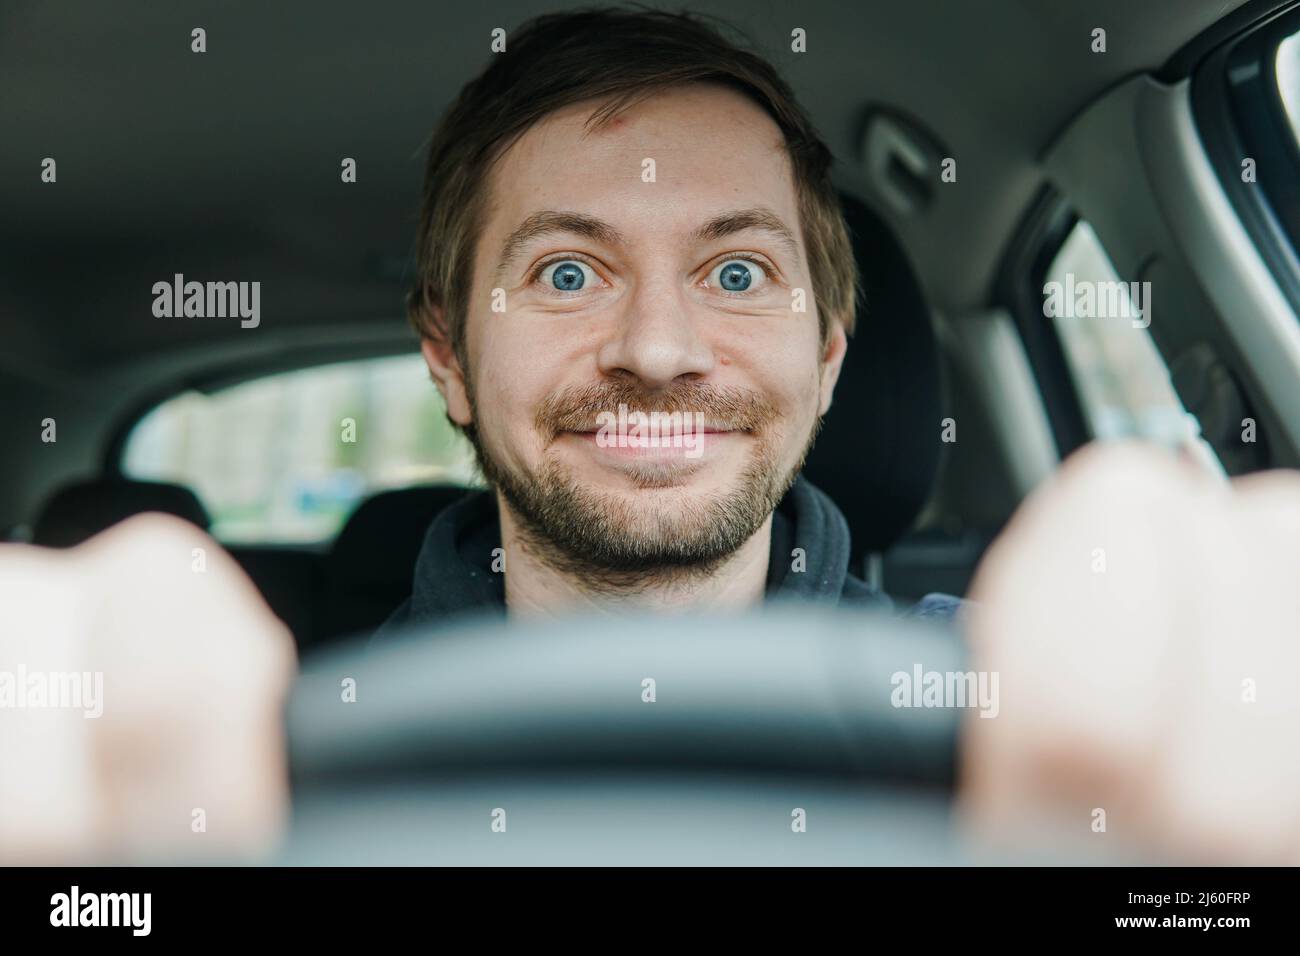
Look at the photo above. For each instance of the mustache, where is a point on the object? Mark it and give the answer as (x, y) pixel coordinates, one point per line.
(726, 407)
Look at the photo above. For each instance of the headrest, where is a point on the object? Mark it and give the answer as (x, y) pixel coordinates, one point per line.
(82, 509)
(379, 543)
(878, 451)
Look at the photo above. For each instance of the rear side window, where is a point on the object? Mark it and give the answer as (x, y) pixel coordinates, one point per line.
(286, 457)
(1121, 379)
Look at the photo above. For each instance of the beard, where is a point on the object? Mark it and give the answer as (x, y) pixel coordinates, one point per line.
(610, 541)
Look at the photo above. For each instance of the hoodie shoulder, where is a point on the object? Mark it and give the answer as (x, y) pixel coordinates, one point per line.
(859, 594)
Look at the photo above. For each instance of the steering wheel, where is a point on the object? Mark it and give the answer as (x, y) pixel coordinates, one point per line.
(765, 737)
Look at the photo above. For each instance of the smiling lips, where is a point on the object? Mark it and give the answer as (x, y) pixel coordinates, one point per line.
(679, 446)
(677, 431)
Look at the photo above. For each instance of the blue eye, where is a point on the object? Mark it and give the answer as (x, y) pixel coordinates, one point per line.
(567, 276)
(737, 275)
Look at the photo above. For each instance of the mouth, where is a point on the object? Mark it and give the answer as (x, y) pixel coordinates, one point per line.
(663, 439)
(687, 448)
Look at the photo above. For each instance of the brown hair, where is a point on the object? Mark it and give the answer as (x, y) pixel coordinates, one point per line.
(621, 57)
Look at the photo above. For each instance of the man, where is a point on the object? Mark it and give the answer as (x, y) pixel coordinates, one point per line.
(628, 217)
(1150, 693)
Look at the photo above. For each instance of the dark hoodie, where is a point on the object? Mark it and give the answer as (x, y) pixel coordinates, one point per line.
(454, 576)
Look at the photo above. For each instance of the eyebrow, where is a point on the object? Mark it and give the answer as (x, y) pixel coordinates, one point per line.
(740, 220)
(549, 222)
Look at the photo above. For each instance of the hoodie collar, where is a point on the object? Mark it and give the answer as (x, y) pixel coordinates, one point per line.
(809, 555)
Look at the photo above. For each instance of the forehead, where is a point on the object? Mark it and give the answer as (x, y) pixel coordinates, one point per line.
(710, 149)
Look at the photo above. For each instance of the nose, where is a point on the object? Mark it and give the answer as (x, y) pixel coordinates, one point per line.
(657, 340)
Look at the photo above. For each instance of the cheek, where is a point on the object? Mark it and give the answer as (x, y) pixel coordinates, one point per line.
(796, 388)
(787, 369)
(512, 375)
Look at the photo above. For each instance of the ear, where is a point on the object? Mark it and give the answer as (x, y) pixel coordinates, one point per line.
(448, 376)
(837, 343)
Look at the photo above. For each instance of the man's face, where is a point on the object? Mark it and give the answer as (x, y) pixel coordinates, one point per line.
(652, 263)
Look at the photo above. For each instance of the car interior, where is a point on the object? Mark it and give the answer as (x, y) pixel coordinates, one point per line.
(1041, 148)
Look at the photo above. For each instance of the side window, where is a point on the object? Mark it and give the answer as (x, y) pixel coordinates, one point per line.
(286, 457)
(1246, 101)
(1288, 79)
(1121, 379)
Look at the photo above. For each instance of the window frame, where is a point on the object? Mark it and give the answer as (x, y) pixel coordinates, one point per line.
(1239, 112)
(1019, 286)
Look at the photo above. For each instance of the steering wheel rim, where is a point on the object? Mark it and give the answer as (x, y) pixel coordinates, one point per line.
(791, 690)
